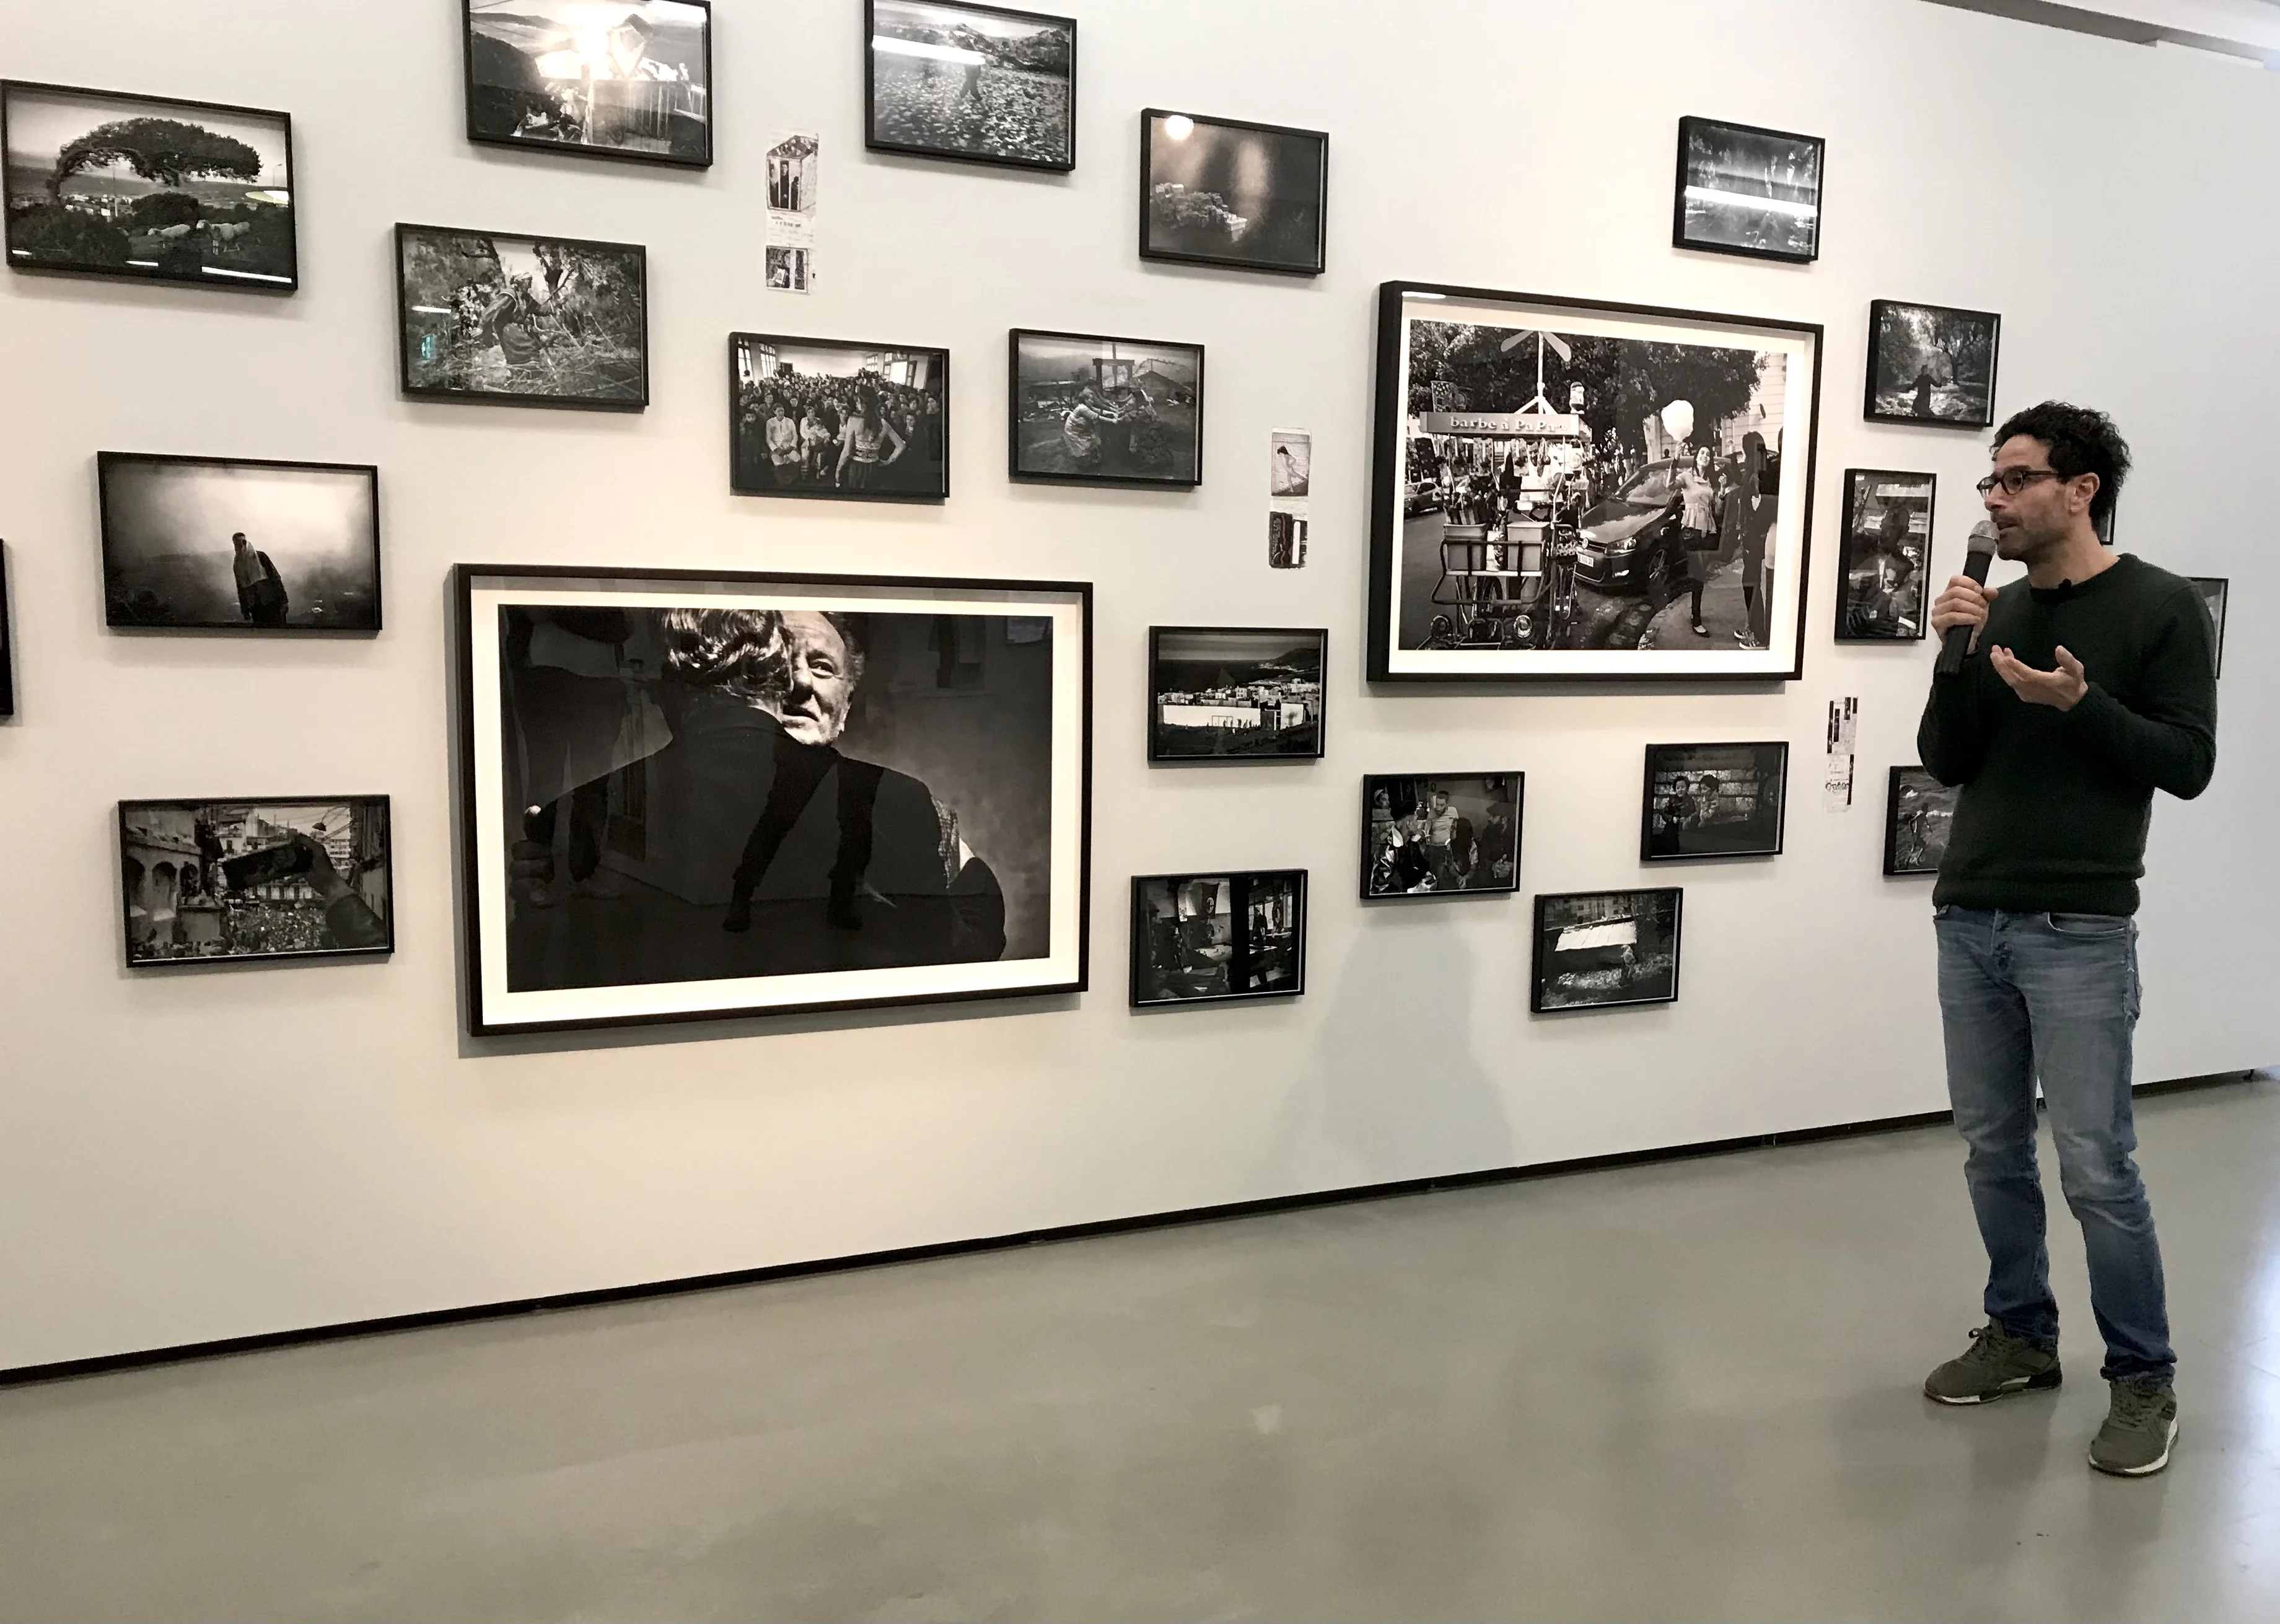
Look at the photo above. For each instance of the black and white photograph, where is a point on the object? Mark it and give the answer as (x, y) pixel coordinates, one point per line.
(629, 79)
(1603, 950)
(791, 168)
(789, 270)
(2212, 590)
(1564, 489)
(210, 881)
(1220, 191)
(1713, 801)
(522, 321)
(1093, 410)
(816, 417)
(706, 795)
(1290, 463)
(226, 544)
(1235, 693)
(1919, 812)
(1286, 539)
(1884, 562)
(1207, 938)
(1440, 833)
(977, 82)
(1927, 364)
(106, 184)
(7, 644)
(1748, 191)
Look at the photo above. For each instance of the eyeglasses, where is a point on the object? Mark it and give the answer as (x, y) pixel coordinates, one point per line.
(2015, 480)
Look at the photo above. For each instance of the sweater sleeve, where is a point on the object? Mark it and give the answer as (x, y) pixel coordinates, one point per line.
(1952, 738)
(2167, 739)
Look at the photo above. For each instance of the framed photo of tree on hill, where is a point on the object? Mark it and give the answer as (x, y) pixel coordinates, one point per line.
(1930, 365)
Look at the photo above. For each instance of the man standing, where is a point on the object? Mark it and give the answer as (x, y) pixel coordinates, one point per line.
(2090, 685)
(260, 590)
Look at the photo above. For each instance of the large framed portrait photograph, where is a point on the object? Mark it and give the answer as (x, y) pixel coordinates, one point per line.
(1090, 410)
(1221, 191)
(2213, 589)
(106, 184)
(1569, 489)
(983, 83)
(522, 321)
(1235, 693)
(276, 878)
(687, 795)
(226, 544)
(1930, 365)
(1918, 812)
(816, 417)
(1211, 938)
(1440, 834)
(1713, 801)
(1604, 950)
(1749, 191)
(1884, 562)
(629, 80)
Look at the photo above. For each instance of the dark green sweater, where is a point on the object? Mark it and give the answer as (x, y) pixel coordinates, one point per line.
(2055, 803)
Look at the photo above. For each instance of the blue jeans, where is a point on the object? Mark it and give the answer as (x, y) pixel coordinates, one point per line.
(2054, 996)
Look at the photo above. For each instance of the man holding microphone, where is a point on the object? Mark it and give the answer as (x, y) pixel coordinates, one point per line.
(2084, 689)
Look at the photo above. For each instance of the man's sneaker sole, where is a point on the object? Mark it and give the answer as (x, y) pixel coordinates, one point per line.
(2041, 1383)
(2149, 1469)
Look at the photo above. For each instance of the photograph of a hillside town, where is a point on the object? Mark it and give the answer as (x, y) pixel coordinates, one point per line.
(1230, 691)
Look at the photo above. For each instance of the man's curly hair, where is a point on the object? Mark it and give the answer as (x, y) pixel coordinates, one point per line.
(2083, 441)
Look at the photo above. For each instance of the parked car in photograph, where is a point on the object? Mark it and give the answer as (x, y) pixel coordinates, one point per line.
(1630, 541)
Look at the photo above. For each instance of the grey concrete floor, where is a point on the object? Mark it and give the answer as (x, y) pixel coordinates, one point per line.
(1680, 1391)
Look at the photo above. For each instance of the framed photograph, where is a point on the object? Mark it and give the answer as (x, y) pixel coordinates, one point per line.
(210, 881)
(1919, 812)
(103, 184)
(2213, 590)
(633, 80)
(815, 417)
(522, 321)
(7, 644)
(1090, 410)
(983, 83)
(1714, 800)
(692, 794)
(1930, 365)
(1220, 191)
(1567, 489)
(228, 544)
(1602, 950)
(1884, 555)
(1210, 938)
(1748, 191)
(1440, 834)
(1235, 693)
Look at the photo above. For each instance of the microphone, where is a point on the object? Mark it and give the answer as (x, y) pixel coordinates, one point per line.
(1981, 553)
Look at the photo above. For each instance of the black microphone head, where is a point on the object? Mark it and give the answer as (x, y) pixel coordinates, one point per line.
(1985, 537)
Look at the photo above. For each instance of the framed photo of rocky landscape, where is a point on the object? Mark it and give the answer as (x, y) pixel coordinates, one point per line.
(980, 83)
(630, 80)
(1222, 191)
(1235, 693)
(522, 321)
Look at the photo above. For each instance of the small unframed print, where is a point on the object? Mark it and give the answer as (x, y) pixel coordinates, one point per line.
(629, 80)
(255, 879)
(1748, 191)
(1714, 800)
(1220, 191)
(1290, 464)
(1599, 949)
(977, 82)
(1918, 812)
(522, 321)
(816, 417)
(1286, 538)
(1235, 693)
(790, 270)
(1927, 364)
(1440, 833)
(792, 166)
(1206, 938)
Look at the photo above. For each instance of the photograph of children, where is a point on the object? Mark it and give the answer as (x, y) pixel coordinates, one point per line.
(261, 878)
(1440, 835)
(1927, 364)
(226, 544)
(1095, 411)
(1714, 800)
(1919, 813)
(814, 417)
(2213, 590)
(1206, 938)
(1218, 192)
(972, 81)
(1748, 191)
(628, 78)
(522, 321)
(1234, 693)
(1886, 545)
(1599, 949)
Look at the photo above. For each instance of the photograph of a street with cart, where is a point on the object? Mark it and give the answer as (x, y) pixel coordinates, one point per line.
(533, 321)
(1595, 950)
(1100, 411)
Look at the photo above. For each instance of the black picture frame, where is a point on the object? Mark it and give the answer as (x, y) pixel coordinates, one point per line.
(1061, 162)
(20, 212)
(492, 108)
(1885, 318)
(1665, 836)
(1040, 462)
(1157, 240)
(2214, 602)
(1152, 980)
(185, 851)
(1257, 646)
(1398, 866)
(749, 464)
(1883, 582)
(1599, 946)
(7, 644)
(1688, 190)
(439, 324)
(1911, 793)
(127, 608)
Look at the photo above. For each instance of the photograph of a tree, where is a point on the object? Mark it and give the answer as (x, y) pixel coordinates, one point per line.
(161, 150)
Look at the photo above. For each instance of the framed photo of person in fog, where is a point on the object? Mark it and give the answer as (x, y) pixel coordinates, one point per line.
(690, 795)
(1930, 365)
(1221, 191)
(979, 83)
(1089, 410)
(853, 422)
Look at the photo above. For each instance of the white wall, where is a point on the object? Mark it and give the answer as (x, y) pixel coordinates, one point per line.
(195, 1156)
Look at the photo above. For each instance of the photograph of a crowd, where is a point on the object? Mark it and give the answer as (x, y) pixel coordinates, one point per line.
(2212, 590)
(980, 82)
(1927, 364)
(1919, 813)
(812, 417)
(1096, 410)
(1712, 800)
(1748, 191)
(209, 881)
(1599, 949)
(223, 543)
(1235, 693)
(1884, 553)
(1220, 191)
(146, 186)
(528, 322)
(1440, 835)
(630, 78)
(1206, 938)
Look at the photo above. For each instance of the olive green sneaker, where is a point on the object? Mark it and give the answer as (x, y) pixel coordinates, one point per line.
(2141, 1426)
(1996, 1364)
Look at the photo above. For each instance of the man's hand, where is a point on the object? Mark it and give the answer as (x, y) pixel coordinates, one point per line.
(1964, 602)
(2059, 689)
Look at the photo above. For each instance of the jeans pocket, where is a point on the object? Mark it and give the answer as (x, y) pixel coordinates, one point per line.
(2090, 925)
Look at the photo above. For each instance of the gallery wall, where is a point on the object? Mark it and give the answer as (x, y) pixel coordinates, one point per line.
(208, 1154)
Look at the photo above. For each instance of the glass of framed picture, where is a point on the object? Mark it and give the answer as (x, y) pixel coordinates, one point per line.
(1440, 834)
(983, 83)
(106, 184)
(1235, 693)
(522, 321)
(1930, 365)
(1221, 191)
(259, 878)
(1712, 800)
(1084, 410)
(1213, 938)
(691, 795)
(819, 417)
(1919, 812)
(1748, 191)
(633, 80)
(1604, 950)
(1885, 559)
(2213, 589)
